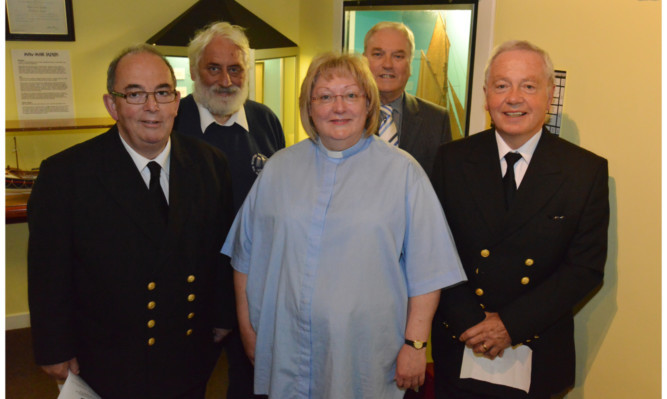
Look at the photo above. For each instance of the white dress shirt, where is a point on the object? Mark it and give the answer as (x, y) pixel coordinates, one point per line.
(526, 151)
(141, 162)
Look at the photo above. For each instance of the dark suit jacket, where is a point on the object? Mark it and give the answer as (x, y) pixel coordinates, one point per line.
(424, 127)
(531, 264)
(96, 245)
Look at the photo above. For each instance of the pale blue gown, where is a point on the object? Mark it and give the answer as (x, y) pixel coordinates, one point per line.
(333, 244)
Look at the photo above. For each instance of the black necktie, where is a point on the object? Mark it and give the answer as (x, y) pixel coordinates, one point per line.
(156, 190)
(509, 181)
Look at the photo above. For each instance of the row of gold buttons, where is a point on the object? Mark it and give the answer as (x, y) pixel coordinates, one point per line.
(151, 305)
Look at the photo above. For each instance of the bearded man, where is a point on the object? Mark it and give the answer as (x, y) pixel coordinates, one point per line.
(219, 111)
(248, 132)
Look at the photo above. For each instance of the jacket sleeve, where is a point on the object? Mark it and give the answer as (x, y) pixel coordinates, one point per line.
(458, 308)
(50, 265)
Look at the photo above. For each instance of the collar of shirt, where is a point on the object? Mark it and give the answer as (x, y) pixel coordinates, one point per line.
(141, 162)
(340, 155)
(206, 118)
(526, 151)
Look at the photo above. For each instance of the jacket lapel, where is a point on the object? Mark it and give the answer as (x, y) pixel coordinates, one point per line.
(482, 174)
(182, 178)
(542, 180)
(119, 175)
(410, 122)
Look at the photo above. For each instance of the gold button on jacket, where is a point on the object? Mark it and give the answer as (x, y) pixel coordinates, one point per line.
(529, 262)
(485, 253)
(151, 286)
(479, 292)
(191, 297)
(151, 305)
(525, 280)
(191, 278)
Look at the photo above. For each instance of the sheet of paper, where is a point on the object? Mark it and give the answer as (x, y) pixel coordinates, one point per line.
(43, 81)
(76, 388)
(512, 370)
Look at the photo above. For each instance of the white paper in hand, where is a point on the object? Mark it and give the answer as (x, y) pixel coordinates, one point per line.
(76, 388)
(512, 370)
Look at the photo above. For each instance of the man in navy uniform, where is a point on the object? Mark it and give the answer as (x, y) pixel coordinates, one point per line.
(127, 287)
(529, 213)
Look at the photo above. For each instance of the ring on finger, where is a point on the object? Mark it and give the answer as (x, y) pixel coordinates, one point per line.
(485, 347)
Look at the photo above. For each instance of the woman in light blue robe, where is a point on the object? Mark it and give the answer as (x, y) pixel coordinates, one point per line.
(340, 251)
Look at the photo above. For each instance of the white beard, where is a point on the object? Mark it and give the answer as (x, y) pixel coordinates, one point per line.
(218, 105)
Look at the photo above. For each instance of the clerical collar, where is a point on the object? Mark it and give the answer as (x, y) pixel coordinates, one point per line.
(206, 118)
(360, 145)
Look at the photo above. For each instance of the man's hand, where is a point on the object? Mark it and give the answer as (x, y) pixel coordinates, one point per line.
(489, 337)
(219, 334)
(59, 371)
(410, 368)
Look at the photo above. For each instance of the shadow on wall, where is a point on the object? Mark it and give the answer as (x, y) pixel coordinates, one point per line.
(569, 130)
(594, 315)
(592, 322)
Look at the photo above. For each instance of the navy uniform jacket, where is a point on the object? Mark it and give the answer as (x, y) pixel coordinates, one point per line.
(424, 127)
(246, 151)
(134, 301)
(531, 264)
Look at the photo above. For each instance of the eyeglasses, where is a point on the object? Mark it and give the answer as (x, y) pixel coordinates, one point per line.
(140, 97)
(350, 98)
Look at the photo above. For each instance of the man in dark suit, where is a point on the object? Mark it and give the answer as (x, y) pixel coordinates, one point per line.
(415, 125)
(531, 254)
(127, 287)
(247, 132)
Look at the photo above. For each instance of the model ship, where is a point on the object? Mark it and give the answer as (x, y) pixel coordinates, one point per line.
(18, 178)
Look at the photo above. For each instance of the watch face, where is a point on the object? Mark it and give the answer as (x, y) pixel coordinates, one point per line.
(416, 344)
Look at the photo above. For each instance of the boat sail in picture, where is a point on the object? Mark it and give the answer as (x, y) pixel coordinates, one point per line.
(17, 178)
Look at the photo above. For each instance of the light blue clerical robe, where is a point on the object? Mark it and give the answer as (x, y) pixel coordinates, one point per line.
(333, 244)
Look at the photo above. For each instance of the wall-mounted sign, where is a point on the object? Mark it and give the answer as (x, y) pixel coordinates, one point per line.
(43, 80)
(39, 20)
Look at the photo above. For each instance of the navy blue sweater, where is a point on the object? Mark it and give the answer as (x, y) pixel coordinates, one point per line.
(245, 151)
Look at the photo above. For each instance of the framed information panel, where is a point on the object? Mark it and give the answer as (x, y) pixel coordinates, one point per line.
(39, 20)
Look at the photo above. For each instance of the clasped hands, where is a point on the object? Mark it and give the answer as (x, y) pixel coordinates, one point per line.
(488, 337)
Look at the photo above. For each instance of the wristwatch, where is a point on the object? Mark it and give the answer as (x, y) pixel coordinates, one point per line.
(416, 344)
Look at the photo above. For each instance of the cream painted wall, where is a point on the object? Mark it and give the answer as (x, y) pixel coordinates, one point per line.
(611, 52)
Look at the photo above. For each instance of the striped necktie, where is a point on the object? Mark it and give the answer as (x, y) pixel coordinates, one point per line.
(387, 130)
